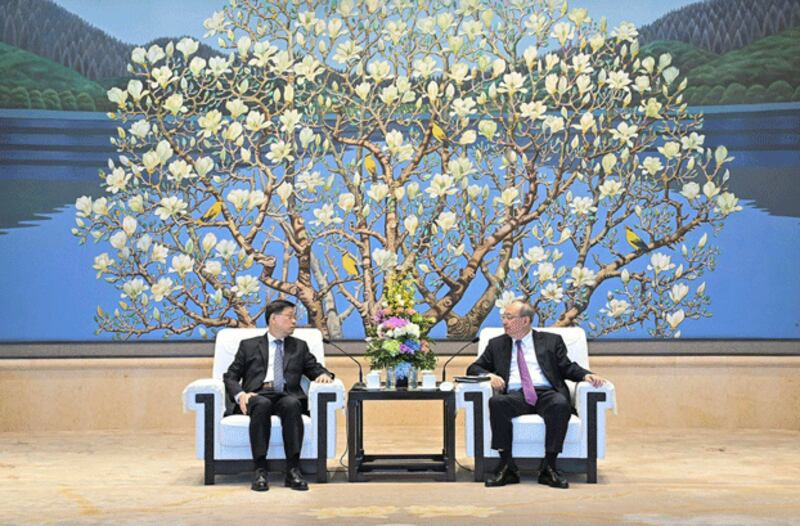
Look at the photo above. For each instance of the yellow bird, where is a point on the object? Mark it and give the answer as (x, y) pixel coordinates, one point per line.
(634, 240)
(213, 211)
(437, 132)
(370, 165)
(350, 264)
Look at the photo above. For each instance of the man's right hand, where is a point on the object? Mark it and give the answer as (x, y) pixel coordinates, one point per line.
(497, 383)
(243, 401)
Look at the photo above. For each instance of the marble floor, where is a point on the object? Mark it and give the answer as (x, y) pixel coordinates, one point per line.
(650, 477)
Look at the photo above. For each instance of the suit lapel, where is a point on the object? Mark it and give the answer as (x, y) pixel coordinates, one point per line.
(505, 359)
(288, 350)
(263, 349)
(543, 357)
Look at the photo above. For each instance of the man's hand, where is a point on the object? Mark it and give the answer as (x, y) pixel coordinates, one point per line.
(323, 379)
(497, 383)
(594, 379)
(243, 401)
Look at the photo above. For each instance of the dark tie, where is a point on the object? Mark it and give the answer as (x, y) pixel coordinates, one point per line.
(527, 384)
(278, 367)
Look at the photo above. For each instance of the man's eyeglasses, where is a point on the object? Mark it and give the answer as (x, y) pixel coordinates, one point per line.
(511, 316)
(289, 316)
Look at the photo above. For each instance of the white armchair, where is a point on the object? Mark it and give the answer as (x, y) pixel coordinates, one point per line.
(586, 433)
(224, 441)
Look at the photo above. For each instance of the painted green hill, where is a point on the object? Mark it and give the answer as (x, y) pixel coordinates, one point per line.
(767, 70)
(30, 81)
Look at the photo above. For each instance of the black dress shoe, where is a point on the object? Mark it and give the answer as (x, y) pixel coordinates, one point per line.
(260, 482)
(505, 475)
(295, 480)
(552, 478)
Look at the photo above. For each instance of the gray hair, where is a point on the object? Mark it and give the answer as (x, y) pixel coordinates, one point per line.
(526, 310)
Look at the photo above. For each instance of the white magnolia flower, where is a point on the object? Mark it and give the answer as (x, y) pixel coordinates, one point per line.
(180, 170)
(117, 95)
(226, 249)
(144, 243)
(545, 271)
(203, 165)
(460, 167)
(117, 180)
(346, 52)
(134, 288)
(162, 77)
(363, 90)
(652, 165)
(325, 215)
(459, 72)
(508, 197)
(118, 240)
(182, 264)
(218, 66)
(136, 204)
(213, 267)
(424, 67)
(236, 107)
(616, 308)
(582, 277)
(140, 128)
(102, 262)
(310, 181)
(554, 123)
(562, 32)
(674, 319)
(642, 83)
(170, 206)
(619, 80)
(216, 23)
(389, 95)
(468, 137)
(246, 285)
(533, 110)
(284, 190)
(411, 223)
(238, 198)
(233, 131)
(384, 259)
(377, 192)
(138, 55)
(693, 142)
(582, 206)
(678, 292)
(347, 201)
(512, 83)
(174, 104)
(660, 263)
(506, 299)
(690, 190)
(129, 225)
(727, 203)
(197, 65)
(84, 206)
(256, 121)
(553, 292)
(209, 241)
(289, 119)
(211, 123)
(255, 198)
(100, 206)
(280, 151)
(487, 128)
(163, 288)
(625, 133)
(446, 221)
(670, 150)
(306, 137)
(159, 253)
(514, 263)
(626, 31)
(463, 107)
(308, 68)
(441, 186)
(535, 254)
(610, 188)
(608, 162)
(379, 71)
(651, 108)
(187, 47)
(710, 190)
(586, 124)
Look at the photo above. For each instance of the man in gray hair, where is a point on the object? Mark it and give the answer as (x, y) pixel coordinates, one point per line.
(527, 370)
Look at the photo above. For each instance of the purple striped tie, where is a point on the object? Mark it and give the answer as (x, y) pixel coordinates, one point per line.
(527, 384)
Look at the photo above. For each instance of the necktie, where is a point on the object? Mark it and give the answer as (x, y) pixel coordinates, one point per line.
(527, 384)
(278, 367)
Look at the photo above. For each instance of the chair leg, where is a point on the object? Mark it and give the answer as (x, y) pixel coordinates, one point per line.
(476, 398)
(323, 399)
(591, 456)
(208, 439)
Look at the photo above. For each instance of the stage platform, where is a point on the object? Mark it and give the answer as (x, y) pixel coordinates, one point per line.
(650, 477)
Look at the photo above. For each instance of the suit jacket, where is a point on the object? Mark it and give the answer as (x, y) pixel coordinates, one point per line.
(249, 368)
(551, 353)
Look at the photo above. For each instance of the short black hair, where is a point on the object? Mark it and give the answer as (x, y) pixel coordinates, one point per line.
(276, 307)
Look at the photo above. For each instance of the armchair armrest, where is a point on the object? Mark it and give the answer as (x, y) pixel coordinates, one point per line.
(583, 390)
(315, 389)
(204, 386)
(463, 388)
(323, 401)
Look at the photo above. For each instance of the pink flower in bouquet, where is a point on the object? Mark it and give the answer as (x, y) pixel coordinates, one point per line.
(394, 323)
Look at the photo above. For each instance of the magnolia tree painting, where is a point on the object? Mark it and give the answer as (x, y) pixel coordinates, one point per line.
(493, 149)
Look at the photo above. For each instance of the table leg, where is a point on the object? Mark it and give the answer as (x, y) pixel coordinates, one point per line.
(450, 437)
(352, 439)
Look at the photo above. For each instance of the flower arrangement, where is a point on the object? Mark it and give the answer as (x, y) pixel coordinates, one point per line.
(398, 337)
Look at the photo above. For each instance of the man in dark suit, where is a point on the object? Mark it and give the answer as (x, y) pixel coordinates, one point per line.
(264, 379)
(527, 370)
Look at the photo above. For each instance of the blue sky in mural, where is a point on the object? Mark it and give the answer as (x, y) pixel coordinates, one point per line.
(143, 20)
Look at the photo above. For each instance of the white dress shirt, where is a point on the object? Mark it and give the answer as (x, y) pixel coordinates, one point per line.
(537, 376)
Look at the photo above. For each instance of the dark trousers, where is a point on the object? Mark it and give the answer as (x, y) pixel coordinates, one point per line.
(551, 405)
(290, 410)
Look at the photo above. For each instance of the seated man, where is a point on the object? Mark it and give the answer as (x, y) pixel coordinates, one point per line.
(264, 379)
(528, 379)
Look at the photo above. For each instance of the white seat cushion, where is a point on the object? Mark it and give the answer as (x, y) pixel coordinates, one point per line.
(531, 428)
(235, 431)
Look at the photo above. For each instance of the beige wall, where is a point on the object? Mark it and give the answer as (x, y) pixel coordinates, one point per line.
(71, 394)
